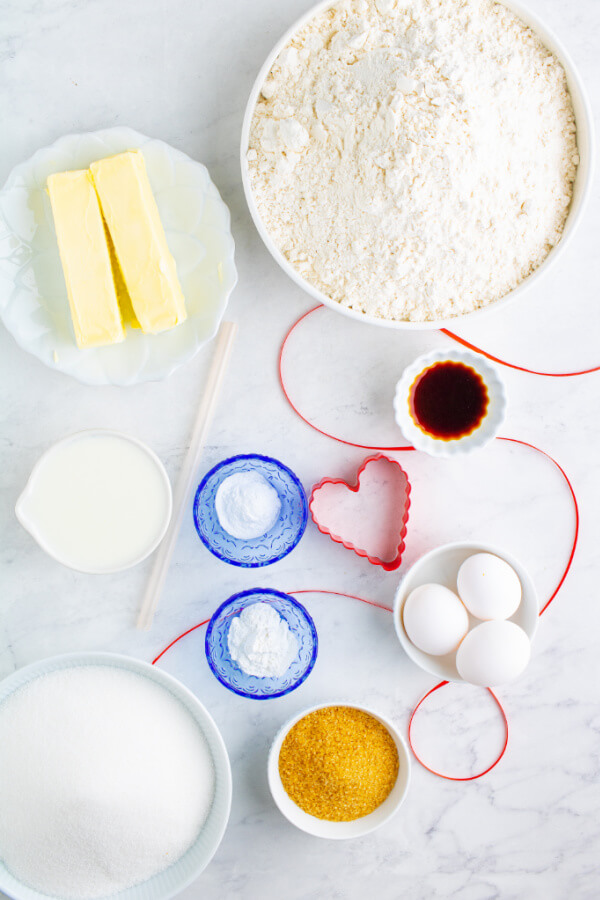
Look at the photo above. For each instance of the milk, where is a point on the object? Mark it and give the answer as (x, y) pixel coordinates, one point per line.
(97, 501)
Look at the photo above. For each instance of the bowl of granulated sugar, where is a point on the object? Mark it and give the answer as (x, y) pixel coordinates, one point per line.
(114, 779)
(411, 163)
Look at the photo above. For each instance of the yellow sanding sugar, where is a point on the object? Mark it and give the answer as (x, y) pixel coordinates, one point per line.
(338, 763)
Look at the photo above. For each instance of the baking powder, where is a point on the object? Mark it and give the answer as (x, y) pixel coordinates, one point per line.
(247, 505)
(260, 641)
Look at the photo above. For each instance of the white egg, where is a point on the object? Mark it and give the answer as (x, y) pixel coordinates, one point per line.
(435, 619)
(488, 586)
(493, 653)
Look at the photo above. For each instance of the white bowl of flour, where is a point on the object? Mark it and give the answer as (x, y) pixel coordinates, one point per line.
(114, 779)
(459, 180)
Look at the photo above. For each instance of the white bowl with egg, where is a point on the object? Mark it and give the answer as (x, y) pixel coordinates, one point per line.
(338, 830)
(441, 566)
(176, 877)
(97, 501)
(581, 189)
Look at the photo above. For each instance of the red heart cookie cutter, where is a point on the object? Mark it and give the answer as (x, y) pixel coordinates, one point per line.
(377, 521)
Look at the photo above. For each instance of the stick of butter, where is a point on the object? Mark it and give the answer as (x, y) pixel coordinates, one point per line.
(127, 313)
(133, 221)
(85, 259)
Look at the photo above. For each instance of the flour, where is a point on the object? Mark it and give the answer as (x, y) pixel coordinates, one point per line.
(260, 641)
(414, 160)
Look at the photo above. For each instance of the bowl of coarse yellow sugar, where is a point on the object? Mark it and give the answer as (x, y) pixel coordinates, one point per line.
(338, 771)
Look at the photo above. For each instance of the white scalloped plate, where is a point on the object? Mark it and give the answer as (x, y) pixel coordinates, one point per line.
(33, 296)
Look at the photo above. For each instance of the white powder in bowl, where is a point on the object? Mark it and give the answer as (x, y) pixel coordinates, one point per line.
(105, 780)
(247, 505)
(260, 642)
(414, 160)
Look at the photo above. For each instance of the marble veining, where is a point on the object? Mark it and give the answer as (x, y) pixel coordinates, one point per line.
(181, 70)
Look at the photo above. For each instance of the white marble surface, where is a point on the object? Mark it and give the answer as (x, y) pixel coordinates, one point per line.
(181, 70)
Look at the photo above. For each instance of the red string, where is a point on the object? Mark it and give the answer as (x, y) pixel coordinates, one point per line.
(305, 591)
(407, 447)
(455, 777)
(297, 411)
(342, 594)
(421, 701)
(509, 365)
(452, 336)
(507, 440)
(189, 631)
(575, 510)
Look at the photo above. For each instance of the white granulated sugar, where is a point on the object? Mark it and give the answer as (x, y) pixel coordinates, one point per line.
(247, 505)
(105, 780)
(414, 160)
(260, 641)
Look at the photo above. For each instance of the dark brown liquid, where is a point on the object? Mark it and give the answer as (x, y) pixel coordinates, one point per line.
(448, 400)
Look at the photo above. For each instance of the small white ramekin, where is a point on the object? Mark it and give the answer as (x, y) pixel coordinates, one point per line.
(338, 830)
(581, 190)
(483, 434)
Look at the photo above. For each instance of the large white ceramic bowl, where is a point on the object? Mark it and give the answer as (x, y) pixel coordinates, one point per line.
(585, 140)
(441, 566)
(33, 296)
(174, 879)
(339, 830)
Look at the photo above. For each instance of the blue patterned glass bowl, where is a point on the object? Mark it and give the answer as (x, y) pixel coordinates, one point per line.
(279, 540)
(230, 674)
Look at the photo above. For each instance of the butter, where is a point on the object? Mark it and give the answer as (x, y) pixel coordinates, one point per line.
(127, 313)
(85, 259)
(139, 241)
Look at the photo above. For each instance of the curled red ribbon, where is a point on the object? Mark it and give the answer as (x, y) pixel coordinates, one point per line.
(348, 443)
(564, 475)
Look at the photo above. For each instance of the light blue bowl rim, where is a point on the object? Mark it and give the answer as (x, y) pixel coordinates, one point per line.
(301, 493)
(282, 596)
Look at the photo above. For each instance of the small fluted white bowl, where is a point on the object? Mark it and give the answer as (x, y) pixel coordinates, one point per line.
(485, 431)
(581, 189)
(33, 302)
(339, 830)
(440, 566)
(177, 876)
